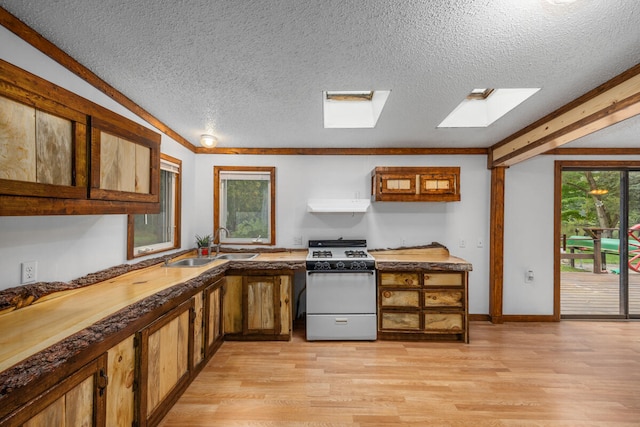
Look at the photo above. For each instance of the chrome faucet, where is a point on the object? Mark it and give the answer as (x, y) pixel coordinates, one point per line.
(216, 235)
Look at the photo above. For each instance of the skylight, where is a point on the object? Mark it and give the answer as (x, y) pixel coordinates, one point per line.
(484, 106)
(353, 108)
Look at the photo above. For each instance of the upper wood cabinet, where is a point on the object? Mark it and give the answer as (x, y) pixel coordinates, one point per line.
(415, 184)
(62, 154)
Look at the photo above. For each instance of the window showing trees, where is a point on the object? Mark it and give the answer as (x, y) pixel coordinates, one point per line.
(151, 233)
(245, 204)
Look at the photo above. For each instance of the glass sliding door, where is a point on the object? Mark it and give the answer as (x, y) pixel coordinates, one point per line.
(590, 239)
(633, 265)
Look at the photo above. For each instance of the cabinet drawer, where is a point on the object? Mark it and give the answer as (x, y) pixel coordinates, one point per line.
(389, 298)
(399, 320)
(399, 279)
(451, 322)
(442, 279)
(443, 299)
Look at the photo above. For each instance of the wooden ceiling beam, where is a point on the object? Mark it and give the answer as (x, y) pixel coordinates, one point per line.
(610, 103)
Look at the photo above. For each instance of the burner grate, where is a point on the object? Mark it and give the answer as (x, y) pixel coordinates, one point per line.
(322, 254)
(355, 254)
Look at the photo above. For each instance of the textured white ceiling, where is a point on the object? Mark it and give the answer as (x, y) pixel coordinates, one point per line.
(253, 72)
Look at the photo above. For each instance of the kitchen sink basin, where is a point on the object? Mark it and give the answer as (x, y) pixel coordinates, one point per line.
(237, 256)
(191, 262)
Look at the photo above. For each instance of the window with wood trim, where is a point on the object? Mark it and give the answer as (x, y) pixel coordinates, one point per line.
(245, 204)
(152, 233)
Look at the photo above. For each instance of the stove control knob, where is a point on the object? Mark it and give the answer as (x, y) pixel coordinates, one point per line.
(340, 265)
(322, 266)
(358, 265)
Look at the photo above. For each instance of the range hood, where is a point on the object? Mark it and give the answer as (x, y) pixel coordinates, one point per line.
(338, 205)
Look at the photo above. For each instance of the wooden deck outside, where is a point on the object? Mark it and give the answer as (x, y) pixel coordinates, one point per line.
(596, 294)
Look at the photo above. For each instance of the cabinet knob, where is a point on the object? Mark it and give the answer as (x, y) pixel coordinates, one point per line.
(386, 294)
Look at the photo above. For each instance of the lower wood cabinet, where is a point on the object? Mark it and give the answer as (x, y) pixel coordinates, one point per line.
(121, 372)
(207, 323)
(258, 307)
(78, 400)
(165, 351)
(425, 305)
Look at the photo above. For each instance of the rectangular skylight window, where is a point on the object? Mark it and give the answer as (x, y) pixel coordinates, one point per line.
(484, 106)
(353, 108)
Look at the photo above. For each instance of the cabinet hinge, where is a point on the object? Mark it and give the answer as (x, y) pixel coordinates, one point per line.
(102, 381)
(136, 341)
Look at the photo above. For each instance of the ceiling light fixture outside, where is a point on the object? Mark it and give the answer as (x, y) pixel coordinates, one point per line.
(208, 140)
(599, 192)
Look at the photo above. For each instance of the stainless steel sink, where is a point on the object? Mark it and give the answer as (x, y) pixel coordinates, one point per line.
(191, 262)
(244, 256)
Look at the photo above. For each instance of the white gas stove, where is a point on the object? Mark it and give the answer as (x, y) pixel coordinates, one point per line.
(341, 291)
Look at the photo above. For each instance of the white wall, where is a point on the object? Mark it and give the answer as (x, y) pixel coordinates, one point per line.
(386, 224)
(68, 247)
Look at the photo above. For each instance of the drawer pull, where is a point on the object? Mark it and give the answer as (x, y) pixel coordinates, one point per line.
(341, 320)
(386, 294)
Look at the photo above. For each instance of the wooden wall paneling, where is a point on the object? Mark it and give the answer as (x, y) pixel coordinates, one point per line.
(496, 248)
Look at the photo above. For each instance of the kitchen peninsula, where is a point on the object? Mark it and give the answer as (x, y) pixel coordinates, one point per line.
(79, 342)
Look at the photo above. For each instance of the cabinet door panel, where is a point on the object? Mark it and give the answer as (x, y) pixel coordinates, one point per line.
(167, 359)
(400, 321)
(450, 322)
(442, 279)
(79, 404)
(54, 149)
(52, 415)
(389, 298)
(260, 305)
(17, 141)
(198, 328)
(121, 365)
(443, 298)
(214, 331)
(232, 302)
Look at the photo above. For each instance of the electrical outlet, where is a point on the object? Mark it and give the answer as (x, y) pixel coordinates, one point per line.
(29, 271)
(480, 242)
(528, 275)
(462, 243)
(297, 241)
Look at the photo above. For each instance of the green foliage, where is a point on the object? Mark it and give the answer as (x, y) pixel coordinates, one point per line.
(247, 208)
(580, 209)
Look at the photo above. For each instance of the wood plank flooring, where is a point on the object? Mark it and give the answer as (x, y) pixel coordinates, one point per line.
(596, 294)
(570, 373)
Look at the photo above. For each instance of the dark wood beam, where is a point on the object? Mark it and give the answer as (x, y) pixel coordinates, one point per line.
(610, 103)
(496, 247)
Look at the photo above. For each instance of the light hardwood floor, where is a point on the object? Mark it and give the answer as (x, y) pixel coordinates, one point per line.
(571, 373)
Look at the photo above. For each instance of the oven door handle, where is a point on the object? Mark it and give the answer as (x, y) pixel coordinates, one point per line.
(340, 271)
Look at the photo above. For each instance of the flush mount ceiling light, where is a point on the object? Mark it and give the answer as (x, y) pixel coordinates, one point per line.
(599, 192)
(481, 107)
(561, 2)
(353, 108)
(208, 140)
